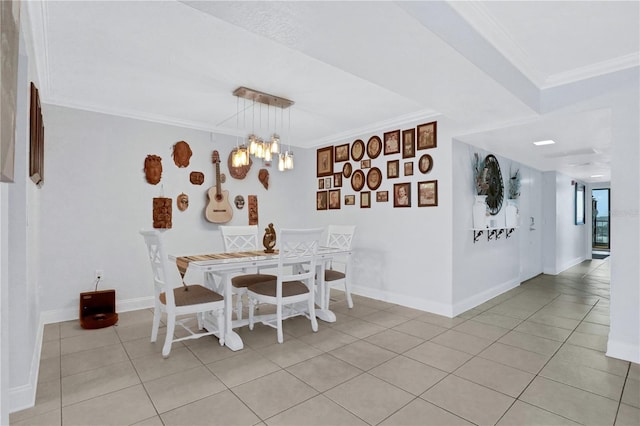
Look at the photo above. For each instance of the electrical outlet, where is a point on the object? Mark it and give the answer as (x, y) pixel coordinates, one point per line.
(99, 274)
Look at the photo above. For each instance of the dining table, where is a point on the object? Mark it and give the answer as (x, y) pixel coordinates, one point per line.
(219, 268)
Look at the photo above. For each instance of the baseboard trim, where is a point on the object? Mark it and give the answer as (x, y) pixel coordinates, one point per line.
(623, 351)
(478, 299)
(558, 269)
(408, 301)
(24, 396)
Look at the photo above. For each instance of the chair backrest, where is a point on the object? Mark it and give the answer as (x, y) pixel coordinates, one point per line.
(239, 238)
(298, 247)
(159, 265)
(340, 236)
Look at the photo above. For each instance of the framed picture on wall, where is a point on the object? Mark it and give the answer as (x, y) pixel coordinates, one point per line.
(428, 135)
(346, 170)
(321, 183)
(357, 180)
(365, 199)
(382, 196)
(408, 168)
(425, 163)
(349, 200)
(374, 178)
(402, 195)
(334, 199)
(374, 146)
(392, 142)
(337, 180)
(324, 165)
(357, 150)
(393, 167)
(342, 153)
(321, 200)
(428, 193)
(408, 143)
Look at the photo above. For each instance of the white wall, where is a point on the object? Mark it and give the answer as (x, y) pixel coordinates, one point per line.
(624, 334)
(402, 255)
(23, 310)
(564, 241)
(96, 199)
(484, 269)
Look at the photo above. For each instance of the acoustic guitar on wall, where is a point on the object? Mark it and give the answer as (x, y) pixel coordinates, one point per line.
(218, 209)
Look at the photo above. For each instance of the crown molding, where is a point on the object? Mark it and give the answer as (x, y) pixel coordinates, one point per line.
(479, 17)
(137, 115)
(620, 63)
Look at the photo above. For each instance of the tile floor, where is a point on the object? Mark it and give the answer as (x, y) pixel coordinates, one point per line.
(534, 355)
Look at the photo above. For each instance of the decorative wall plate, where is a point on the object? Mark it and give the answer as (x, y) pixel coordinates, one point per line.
(495, 193)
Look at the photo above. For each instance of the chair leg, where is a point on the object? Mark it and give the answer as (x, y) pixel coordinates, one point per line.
(221, 326)
(251, 306)
(347, 291)
(156, 324)
(171, 326)
(279, 322)
(312, 315)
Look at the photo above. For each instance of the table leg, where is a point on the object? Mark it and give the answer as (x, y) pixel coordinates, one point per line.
(323, 311)
(231, 339)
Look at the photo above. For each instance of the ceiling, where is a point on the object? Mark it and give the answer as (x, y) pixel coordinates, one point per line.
(498, 72)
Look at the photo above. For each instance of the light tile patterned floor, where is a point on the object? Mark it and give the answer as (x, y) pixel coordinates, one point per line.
(534, 355)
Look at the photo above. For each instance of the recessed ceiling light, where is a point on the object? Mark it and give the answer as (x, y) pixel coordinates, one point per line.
(596, 176)
(547, 142)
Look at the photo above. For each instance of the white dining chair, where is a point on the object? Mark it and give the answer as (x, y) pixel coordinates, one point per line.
(176, 298)
(335, 274)
(237, 239)
(292, 292)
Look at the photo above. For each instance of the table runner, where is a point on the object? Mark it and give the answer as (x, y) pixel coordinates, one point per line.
(183, 262)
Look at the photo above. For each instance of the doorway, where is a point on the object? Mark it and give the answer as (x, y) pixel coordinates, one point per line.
(601, 224)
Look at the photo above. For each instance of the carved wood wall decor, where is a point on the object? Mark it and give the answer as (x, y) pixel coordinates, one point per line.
(162, 213)
(196, 178)
(153, 168)
(237, 172)
(181, 154)
(36, 138)
(182, 201)
(253, 209)
(263, 177)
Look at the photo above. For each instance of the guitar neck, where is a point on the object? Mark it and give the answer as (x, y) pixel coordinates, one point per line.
(218, 184)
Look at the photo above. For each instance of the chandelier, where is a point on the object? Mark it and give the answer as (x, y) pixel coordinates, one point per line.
(265, 149)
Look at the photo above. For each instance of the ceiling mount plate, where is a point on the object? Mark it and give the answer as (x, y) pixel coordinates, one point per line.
(261, 97)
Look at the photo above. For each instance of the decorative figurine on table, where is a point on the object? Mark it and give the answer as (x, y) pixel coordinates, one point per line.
(269, 239)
